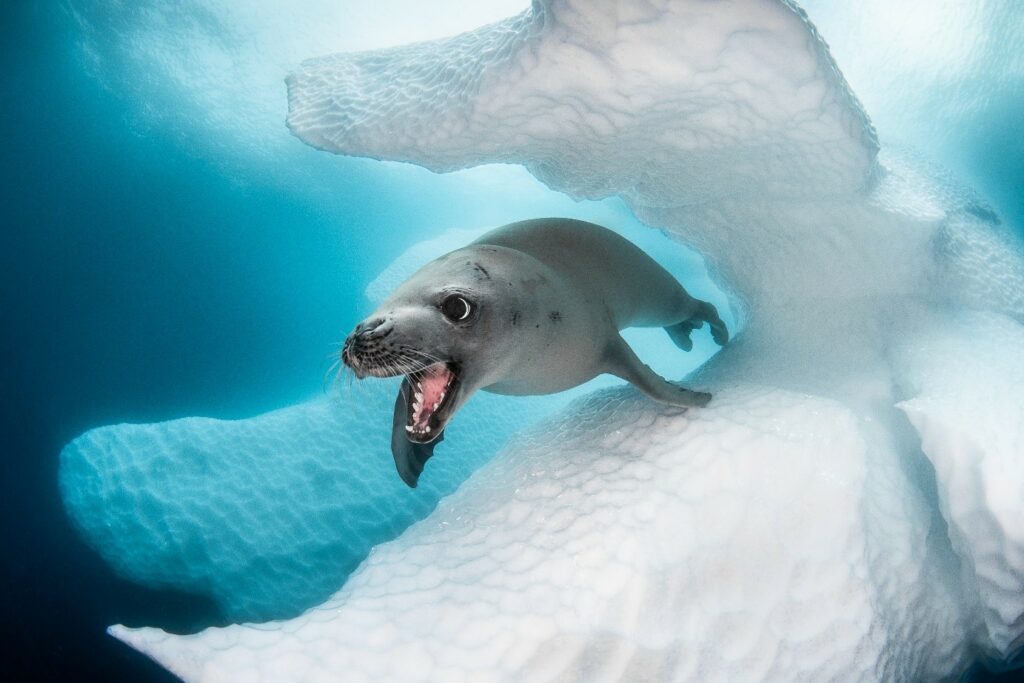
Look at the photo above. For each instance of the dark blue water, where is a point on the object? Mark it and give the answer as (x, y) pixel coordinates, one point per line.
(140, 281)
(137, 283)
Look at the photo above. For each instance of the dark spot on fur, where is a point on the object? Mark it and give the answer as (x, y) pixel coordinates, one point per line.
(555, 316)
(515, 318)
(537, 325)
(482, 270)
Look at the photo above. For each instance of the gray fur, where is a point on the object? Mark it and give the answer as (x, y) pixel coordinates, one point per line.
(550, 297)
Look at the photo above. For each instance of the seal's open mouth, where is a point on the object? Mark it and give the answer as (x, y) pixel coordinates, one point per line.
(430, 398)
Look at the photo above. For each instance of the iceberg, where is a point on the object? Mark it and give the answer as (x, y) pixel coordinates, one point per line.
(848, 506)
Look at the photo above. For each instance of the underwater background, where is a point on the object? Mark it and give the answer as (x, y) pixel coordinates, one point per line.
(171, 250)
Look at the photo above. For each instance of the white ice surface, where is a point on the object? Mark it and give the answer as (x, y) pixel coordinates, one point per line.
(964, 379)
(814, 522)
(657, 545)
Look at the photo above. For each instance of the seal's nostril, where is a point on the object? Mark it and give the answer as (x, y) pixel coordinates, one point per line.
(372, 329)
(382, 331)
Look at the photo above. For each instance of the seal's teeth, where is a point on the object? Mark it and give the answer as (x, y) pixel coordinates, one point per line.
(428, 429)
(408, 428)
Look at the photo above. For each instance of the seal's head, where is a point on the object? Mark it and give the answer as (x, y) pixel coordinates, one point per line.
(441, 330)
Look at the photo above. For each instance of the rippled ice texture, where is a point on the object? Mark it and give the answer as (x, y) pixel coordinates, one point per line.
(847, 507)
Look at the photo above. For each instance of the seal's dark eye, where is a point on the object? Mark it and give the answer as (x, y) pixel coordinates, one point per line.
(456, 308)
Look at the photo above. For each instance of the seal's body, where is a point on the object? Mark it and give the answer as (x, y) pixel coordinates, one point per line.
(530, 308)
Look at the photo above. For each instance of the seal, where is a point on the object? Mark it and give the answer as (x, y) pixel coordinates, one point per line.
(533, 307)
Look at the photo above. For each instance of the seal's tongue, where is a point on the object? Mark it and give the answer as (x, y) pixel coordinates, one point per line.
(430, 388)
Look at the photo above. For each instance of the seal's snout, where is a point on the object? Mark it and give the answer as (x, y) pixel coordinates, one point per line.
(366, 345)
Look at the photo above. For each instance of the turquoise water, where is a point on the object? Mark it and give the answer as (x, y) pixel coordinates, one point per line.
(169, 255)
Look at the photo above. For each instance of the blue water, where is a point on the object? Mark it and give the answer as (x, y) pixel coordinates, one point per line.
(146, 274)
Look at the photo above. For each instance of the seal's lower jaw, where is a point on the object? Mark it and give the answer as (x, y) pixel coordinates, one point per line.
(431, 401)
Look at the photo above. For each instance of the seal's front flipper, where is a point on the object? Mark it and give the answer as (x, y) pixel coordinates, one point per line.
(622, 362)
(680, 332)
(409, 457)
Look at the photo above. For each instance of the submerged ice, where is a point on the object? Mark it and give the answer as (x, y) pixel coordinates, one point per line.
(848, 506)
(266, 515)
